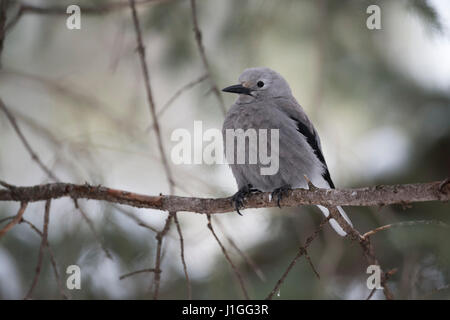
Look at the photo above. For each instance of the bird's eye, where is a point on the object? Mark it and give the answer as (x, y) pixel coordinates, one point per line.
(260, 84)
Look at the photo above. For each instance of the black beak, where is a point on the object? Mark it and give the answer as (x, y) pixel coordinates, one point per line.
(238, 88)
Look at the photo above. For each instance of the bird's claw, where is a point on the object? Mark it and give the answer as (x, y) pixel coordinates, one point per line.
(238, 197)
(280, 192)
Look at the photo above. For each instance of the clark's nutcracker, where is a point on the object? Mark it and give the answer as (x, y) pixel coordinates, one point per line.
(265, 101)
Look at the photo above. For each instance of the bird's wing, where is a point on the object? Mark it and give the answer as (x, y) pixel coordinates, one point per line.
(295, 112)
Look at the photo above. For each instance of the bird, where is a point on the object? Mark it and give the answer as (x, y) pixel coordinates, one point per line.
(265, 101)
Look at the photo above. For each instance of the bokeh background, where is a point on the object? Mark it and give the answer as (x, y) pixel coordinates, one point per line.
(380, 100)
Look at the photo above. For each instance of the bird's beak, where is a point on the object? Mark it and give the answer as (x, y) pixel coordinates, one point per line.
(238, 88)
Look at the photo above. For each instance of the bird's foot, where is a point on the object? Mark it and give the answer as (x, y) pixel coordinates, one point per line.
(238, 197)
(280, 192)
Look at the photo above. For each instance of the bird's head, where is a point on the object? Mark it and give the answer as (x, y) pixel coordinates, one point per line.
(258, 84)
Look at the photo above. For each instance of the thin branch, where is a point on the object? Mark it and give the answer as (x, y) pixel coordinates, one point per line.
(169, 102)
(225, 253)
(44, 168)
(245, 256)
(136, 272)
(138, 220)
(34, 156)
(15, 220)
(92, 228)
(3, 8)
(366, 246)
(52, 258)
(387, 275)
(41, 250)
(25, 8)
(75, 95)
(368, 196)
(151, 104)
(311, 264)
(201, 49)
(437, 290)
(404, 224)
(50, 251)
(183, 261)
(301, 251)
(159, 238)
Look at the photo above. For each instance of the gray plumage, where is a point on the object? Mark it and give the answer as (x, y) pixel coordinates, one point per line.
(266, 102)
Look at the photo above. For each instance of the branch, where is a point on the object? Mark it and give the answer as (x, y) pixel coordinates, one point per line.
(368, 196)
(44, 168)
(175, 96)
(183, 260)
(52, 257)
(30, 150)
(90, 223)
(404, 224)
(225, 253)
(301, 251)
(25, 8)
(201, 49)
(41, 250)
(159, 238)
(136, 272)
(15, 220)
(151, 103)
(3, 7)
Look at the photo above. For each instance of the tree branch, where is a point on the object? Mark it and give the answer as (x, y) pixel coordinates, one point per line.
(26, 8)
(368, 196)
(41, 250)
(3, 7)
(151, 103)
(201, 50)
(227, 256)
(15, 220)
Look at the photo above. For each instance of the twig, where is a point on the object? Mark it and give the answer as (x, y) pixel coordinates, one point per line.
(301, 251)
(159, 237)
(366, 246)
(404, 224)
(311, 264)
(201, 49)
(6, 185)
(92, 228)
(245, 256)
(47, 171)
(3, 8)
(77, 97)
(387, 275)
(183, 261)
(50, 251)
(169, 102)
(138, 220)
(225, 253)
(41, 250)
(442, 288)
(52, 258)
(151, 104)
(15, 220)
(136, 272)
(25, 8)
(34, 156)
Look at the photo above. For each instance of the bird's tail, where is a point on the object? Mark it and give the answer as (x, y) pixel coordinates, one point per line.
(334, 223)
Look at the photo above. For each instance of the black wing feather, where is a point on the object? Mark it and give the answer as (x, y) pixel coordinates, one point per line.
(312, 140)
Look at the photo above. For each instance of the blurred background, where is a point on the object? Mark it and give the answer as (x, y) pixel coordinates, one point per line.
(380, 100)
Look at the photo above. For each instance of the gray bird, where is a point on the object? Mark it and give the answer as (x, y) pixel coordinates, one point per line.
(265, 101)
